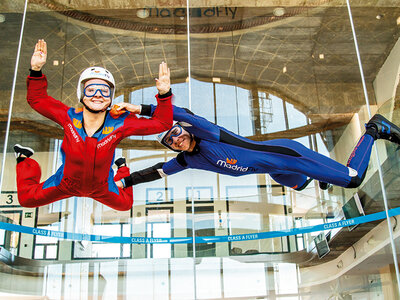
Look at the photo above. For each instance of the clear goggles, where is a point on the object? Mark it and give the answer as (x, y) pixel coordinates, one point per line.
(92, 89)
(175, 131)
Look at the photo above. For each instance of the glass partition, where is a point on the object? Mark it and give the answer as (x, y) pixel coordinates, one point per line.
(11, 19)
(292, 72)
(262, 71)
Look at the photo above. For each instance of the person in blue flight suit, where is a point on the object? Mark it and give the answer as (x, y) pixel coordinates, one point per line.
(204, 145)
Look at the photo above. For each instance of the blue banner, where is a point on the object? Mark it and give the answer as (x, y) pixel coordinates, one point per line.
(199, 240)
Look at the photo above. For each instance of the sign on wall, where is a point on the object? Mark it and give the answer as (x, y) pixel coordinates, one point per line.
(159, 195)
(203, 194)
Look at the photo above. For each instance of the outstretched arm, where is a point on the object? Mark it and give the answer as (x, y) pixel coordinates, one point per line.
(204, 129)
(155, 172)
(199, 126)
(161, 120)
(146, 175)
(163, 84)
(37, 88)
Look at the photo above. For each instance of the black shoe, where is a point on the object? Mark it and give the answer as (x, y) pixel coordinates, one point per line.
(324, 185)
(120, 162)
(384, 129)
(21, 150)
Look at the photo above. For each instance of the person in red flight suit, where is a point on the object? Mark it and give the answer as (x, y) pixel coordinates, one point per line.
(91, 135)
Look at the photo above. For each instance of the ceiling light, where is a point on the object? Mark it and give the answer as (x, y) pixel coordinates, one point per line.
(143, 13)
(55, 62)
(321, 56)
(398, 21)
(2, 18)
(279, 12)
(216, 79)
(378, 17)
(284, 69)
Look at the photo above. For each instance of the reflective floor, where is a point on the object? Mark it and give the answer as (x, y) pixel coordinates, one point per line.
(262, 71)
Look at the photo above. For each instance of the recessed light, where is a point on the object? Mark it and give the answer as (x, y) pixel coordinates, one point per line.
(2, 18)
(143, 13)
(279, 12)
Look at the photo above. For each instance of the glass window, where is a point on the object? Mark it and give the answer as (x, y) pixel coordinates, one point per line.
(46, 247)
(226, 104)
(2, 237)
(158, 226)
(276, 122)
(295, 117)
(85, 249)
(243, 279)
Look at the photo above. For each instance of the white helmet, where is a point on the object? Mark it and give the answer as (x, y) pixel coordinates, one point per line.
(160, 137)
(95, 73)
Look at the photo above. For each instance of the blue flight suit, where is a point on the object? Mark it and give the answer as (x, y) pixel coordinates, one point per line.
(286, 161)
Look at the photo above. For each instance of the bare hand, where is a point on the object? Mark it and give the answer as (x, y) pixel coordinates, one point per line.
(136, 109)
(163, 82)
(39, 56)
(119, 184)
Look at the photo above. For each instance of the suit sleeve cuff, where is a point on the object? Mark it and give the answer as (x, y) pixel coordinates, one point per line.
(128, 181)
(34, 73)
(166, 95)
(146, 110)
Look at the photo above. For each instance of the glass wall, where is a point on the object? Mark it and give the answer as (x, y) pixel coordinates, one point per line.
(271, 73)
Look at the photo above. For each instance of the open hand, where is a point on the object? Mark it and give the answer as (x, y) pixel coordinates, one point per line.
(123, 107)
(163, 82)
(39, 56)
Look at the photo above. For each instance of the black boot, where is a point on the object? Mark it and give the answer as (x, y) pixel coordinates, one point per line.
(324, 185)
(21, 150)
(120, 162)
(384, 129)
